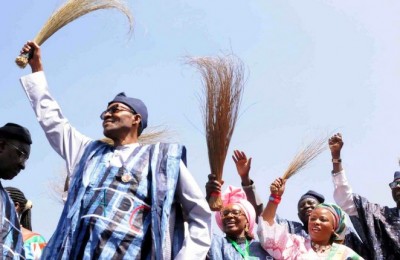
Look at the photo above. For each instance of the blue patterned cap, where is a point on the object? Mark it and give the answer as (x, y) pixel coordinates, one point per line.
(135, 104)
(396, 176)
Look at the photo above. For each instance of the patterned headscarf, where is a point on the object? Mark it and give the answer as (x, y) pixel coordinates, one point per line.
(339, 219)
(236, 196)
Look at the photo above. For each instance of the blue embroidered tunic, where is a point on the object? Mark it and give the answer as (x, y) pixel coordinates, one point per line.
(109, 216)
(11, 244)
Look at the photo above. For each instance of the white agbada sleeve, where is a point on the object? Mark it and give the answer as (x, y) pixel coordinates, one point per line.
(198, 241)
(65, 140)
(343, 194)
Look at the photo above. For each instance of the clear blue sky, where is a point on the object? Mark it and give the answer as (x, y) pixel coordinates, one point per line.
(313, 67)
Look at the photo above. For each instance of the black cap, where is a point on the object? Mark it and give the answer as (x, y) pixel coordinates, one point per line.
(17, 132)
(135, 104)
(313, 194)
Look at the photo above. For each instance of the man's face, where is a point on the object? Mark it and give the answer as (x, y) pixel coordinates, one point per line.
(13, 155)
(305, 207)
(396, 191)
(118, 119)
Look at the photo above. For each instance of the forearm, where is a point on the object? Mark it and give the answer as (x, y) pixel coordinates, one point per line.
(64, 139)
(253, 197)
(269, 212)
(276, 240)
(343, 193)
(198, 241)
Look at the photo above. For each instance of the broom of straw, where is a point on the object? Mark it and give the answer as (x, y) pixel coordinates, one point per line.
(223, 87)
(305, 156)
(70, 11)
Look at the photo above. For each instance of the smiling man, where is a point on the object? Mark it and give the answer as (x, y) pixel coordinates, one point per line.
(126, 200)
(15, 147)
(378, 226)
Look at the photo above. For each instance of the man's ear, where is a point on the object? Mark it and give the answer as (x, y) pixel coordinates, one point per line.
(17, 207)
(137, 119)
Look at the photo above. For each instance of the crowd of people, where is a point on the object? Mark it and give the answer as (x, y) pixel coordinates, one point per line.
(132, 201)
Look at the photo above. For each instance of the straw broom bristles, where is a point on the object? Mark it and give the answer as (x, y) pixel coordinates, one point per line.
(305, 156)
(223, 82)
(70, 11)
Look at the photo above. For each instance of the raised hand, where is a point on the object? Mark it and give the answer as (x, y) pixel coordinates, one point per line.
(278, 186)
(243, 165)
(35, 57)
(335, 145)
(213, 185)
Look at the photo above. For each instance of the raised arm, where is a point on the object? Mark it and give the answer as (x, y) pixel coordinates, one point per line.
(64, 139)
(277, 189)
(243, 165)
(343, 193)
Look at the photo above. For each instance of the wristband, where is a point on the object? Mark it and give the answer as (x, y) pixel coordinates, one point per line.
(215, 194)
(275, 198)
(337, 160)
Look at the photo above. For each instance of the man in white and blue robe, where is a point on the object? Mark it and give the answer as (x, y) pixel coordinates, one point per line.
(125, 201)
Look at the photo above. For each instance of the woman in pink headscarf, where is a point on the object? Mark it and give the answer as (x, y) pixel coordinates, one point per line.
(236, 220)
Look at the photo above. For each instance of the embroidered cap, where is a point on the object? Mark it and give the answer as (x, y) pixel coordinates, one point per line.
(17, 132)
(135, 104)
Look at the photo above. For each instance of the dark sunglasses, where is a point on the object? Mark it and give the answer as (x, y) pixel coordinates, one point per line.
(115, 109)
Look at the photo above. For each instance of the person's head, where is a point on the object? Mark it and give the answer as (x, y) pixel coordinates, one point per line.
(22, 206)
(307, 203)
(237, 217)
(15, 148)
(395, 186)
(327, 224)
(124, 115)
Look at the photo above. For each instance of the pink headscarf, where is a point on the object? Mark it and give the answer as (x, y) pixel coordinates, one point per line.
(234, 195)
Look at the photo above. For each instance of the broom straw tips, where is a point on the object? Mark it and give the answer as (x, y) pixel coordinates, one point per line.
(223, 84)
(72, 10)
(305, 156)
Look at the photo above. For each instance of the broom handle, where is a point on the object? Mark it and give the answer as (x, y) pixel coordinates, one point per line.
(23, 59)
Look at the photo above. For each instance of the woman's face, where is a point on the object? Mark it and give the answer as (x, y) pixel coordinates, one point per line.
(320, 225)
(234, 221)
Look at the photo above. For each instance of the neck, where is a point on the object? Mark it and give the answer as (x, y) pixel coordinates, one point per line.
(238, 239)
(321, 243)
(125, 140)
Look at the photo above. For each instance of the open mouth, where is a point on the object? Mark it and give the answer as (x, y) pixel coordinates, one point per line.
(230, 223)
(316, 229)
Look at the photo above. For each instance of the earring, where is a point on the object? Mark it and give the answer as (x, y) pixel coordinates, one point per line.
(246, 229)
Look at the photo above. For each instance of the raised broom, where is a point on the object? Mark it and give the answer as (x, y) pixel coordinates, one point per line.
(70, 11)
(223, 87)
(305, 156)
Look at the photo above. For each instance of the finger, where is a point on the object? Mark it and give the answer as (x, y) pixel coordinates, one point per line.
(249, 162)
(234, 159)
